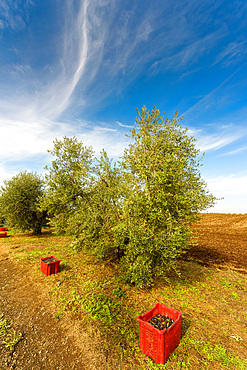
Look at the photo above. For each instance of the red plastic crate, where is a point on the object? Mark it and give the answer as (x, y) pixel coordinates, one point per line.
(3, 228)
(159, 344)
(51, 267)
(3, 235)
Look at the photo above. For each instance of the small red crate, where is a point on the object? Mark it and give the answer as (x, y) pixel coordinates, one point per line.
(3, 228)
(49, 268)
(159, 344)
(3, 235)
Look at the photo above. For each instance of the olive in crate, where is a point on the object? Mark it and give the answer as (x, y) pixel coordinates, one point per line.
(161, 322)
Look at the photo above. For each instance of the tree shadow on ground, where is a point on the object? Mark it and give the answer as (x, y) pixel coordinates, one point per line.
(64, 267)
(185, 325)
(204, 256)
(187, 271)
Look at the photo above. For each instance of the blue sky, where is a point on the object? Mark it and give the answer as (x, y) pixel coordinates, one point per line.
(83, 67)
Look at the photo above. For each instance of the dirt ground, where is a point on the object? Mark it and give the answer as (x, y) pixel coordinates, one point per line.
(51, 344)
(222, 242)
(46, 344)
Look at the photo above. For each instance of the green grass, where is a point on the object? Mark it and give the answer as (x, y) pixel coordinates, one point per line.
(212, 302)
(4, 326)
(9, 337)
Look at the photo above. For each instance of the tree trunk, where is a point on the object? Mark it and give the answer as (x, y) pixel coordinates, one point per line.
(37, 229)
(38, 224)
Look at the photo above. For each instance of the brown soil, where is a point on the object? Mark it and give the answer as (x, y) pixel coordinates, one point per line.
(46, 343)
(51, 344)
(222, 242)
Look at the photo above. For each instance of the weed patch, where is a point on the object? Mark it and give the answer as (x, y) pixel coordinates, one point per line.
(8, 335)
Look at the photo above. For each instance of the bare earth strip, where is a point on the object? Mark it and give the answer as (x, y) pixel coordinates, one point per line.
(46, 344)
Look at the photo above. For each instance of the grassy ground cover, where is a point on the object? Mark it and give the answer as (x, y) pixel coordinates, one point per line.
(212, 301)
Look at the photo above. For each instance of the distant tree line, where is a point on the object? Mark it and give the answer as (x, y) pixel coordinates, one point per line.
(138, 212)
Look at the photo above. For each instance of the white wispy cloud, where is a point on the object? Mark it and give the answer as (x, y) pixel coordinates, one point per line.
(189, 53)
(212, 98)
(20, 69)
(234, 152)
(5, 174)
(213, 136)
(29, 119)
(231, 191)
(29, 113)
(231, 184)
(232, 54)
(44, 95)
(208, 142)
(113, 141)
(102, 41)
(26, 138)
(122, 125)
(14, 14)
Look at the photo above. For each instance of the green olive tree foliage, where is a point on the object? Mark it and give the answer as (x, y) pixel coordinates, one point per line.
(68, 181)
(101, 213)
(166, 195)
(19, 202)
(138, 212)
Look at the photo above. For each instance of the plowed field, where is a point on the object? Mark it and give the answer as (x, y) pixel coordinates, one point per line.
(222, 243)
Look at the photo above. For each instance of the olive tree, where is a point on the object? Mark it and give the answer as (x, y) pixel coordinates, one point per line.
(67, 181)
(19, 202)
(166, 195)
(138, 212)
(95, 225)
